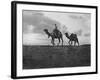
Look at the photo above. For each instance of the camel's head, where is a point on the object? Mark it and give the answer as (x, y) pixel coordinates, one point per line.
(46, 31)
(66, 33)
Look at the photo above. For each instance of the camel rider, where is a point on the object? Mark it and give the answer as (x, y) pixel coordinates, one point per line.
(56, 31)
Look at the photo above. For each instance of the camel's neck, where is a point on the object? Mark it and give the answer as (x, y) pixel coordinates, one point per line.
(68, 36)
(48, 33)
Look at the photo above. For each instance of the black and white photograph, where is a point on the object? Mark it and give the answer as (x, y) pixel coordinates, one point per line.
(54, 39)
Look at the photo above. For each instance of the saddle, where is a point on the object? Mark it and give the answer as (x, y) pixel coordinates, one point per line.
(56, 33)
(73, 36)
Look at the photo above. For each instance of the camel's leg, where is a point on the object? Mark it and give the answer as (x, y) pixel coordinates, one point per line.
(53, 41)
(62, 41)
(69, 42)
(74, 43)
(59, 41)
(77, 42)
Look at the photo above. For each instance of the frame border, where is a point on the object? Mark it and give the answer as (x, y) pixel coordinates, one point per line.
(14, 38)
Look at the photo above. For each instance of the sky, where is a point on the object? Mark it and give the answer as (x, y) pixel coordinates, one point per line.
(34, 22)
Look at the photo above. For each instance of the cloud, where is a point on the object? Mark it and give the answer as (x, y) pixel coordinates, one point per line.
(35, 21)
(74, 16)
(27, 28)
(87, 34)
(64, 29)
(80, 15)
(35, 39)
(79, 32)
(38, 20)
(84, 19)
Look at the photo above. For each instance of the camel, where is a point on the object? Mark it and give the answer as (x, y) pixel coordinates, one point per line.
(72, 38)
(59, 36)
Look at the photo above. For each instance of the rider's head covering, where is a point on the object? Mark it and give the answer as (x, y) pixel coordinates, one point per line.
(55, 26)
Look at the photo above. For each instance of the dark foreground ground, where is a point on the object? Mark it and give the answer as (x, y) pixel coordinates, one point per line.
(35, 57)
